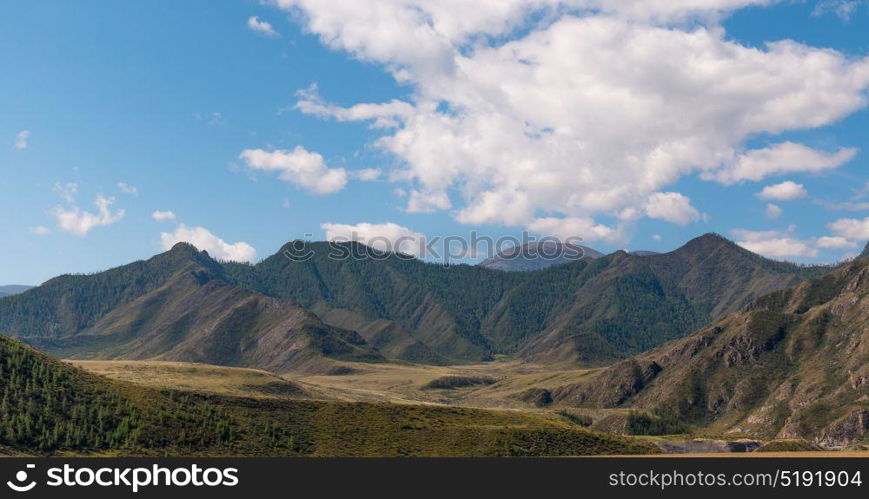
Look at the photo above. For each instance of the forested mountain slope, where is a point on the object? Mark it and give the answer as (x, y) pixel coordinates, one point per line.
(795, 363)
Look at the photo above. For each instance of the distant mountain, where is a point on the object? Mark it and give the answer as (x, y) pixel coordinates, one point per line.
(536, 256)
(865, 251)
(794, 364)
(182, 305)
(13, 289)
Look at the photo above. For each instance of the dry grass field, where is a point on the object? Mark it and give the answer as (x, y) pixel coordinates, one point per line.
(356, 382)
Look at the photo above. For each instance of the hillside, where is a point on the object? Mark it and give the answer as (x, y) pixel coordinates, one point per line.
(350, 302)
(794, 364)
(50, 407)
(176, 306)
(635, 303)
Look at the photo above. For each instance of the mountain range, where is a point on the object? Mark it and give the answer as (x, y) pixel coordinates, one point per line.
(287, 314)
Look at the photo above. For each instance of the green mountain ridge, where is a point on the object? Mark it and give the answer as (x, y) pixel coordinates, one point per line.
(183, 305)
(591, 310)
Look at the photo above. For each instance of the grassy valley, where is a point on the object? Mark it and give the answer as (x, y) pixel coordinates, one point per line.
(50, 407)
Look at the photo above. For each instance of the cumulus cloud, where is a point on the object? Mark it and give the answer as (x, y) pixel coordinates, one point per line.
(774, 244)
(773, 211)
(40, 230)
(672, 207)
(835, 242)
(784, 191)
(588, 110)
(262, 27)
(163, 216)
(128, 189)
(303, 168)
(787, 157)
(21, 139)
(851, 228)
(79, 222)
(203, 239)
(385, 237)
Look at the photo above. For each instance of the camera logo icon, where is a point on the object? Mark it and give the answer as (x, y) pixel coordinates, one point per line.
(19, 484)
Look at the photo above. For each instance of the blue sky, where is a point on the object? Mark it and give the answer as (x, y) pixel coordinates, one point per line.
(165, 97)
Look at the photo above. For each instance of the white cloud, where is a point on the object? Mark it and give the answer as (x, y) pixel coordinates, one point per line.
(21, 139)
(848, 205)
(672, 207)
(40, 230)
(656, 238)
(774, 244)
(851, 228)
(128, 189)
(262, 27)
(300, 167)
(163, 216)
(203, 239)
(579, 114)
(786, 157)
(66, 191)
(368, 174)
(385, 237)
(427, 202)
(780, 248)
(78, 222)
(576, 227)
(844, 9)
(773, 211)
(386, 115)
(784, 191)
(835, 242)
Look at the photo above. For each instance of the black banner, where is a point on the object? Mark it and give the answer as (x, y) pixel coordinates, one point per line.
(515, 477)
